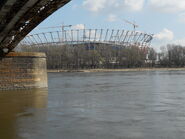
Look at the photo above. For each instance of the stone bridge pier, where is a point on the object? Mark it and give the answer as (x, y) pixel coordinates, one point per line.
(17, 19)
(23, 71)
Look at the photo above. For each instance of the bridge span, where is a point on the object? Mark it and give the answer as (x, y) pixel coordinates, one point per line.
(19, 17)
(28, 70)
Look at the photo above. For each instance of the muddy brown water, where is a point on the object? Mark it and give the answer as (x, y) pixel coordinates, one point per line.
(106, 105)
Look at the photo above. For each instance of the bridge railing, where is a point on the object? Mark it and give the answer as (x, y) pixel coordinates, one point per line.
(110, 36)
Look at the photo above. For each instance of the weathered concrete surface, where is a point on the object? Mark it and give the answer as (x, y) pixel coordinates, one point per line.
(23, 71)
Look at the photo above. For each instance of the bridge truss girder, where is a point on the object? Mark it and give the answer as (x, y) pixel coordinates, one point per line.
(19, 17)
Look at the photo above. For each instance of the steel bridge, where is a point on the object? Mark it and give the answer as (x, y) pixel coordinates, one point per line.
(19, 17)
(85, 36)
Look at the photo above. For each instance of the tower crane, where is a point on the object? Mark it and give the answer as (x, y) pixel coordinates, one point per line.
(133, 24)
(63, 27)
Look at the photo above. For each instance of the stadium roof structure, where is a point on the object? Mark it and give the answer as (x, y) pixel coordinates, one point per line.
(81, 36)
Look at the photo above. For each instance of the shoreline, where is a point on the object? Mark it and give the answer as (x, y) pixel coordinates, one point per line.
(119, 70)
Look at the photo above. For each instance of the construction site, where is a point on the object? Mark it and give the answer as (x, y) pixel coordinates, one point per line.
(90, 48)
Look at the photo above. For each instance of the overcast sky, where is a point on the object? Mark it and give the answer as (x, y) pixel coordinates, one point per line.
(164, 18)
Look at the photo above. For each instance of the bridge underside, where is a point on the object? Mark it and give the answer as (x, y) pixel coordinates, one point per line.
(19, 17)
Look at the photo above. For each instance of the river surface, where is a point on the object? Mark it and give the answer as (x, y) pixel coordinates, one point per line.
(106, 105)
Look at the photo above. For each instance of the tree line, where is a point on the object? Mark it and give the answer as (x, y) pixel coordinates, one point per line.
(172, 56)
(98, 55)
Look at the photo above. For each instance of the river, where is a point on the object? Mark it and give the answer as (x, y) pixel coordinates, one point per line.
(102, 105)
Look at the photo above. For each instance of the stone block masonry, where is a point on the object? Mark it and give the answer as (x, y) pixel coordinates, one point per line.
(23, 71)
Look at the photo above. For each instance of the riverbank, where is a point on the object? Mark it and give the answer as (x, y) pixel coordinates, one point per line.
(119, 70)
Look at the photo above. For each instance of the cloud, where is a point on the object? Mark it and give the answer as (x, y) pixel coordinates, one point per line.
(157, 45)
(164, 35)
(164, 38)
(133, 5)
(112, 18)
(78, 26)
(94, 5)
(168, 6)
(112, 5)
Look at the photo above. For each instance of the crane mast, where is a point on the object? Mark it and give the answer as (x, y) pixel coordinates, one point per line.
(133, 24)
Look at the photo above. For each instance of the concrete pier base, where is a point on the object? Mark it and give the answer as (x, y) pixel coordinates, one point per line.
(23, 71)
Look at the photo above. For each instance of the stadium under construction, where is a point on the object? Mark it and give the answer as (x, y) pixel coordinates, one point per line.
(82, 36)
(75, 43)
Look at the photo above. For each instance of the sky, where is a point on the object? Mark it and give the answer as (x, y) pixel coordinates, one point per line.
(163, 18)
